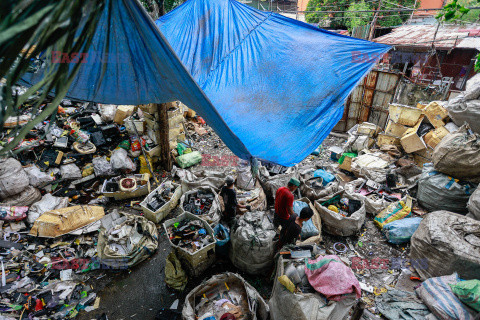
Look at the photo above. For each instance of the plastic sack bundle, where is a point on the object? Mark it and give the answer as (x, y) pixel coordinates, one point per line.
(440, 299)
(444, 243)
(336, 224)
(271, 184)
(36, 177)
(307, 304)
(398, 304)
(70, 171)
(245, 179)
(246, 300)
(468, 292)
(437, 191)
(473, 205)
(311, 229)
(25, 198)
(332, 278)
(371, 166)
(458, 155)
(213, 215)
(121, 161)
(12, 213)
(13, 179)
(256, 198)
(401, 231)
(47, 203)
(107, 111)
(189, 159)
(135, 242)
(308, 189)
(175, 276)
(252, 243)
(395, 211)
(466, 106)
(102, 167)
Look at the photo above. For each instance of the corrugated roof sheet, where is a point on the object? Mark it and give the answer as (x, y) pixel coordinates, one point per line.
(422, 36)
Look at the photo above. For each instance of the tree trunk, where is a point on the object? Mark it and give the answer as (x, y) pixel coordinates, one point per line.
(163, 135)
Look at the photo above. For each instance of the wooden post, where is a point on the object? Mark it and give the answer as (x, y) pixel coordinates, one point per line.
(163, 135)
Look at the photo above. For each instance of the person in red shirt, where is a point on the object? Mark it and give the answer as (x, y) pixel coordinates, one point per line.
(284, 203)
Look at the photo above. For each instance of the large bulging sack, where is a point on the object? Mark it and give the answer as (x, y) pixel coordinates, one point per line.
(25, 198)
(307, 304)
(271, 184)
(437, 191)
(473, 205)
(247, 302)
(121, 228)
(466, 106)
(458, 155)
(13, 179)
(444, 243)
(245, 179)
(253, 245)
(333, 222)
(36, 177)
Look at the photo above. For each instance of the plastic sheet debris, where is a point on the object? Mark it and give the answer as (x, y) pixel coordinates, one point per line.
(70, 171)
(398, 304)
(121, 161)
(36, 177)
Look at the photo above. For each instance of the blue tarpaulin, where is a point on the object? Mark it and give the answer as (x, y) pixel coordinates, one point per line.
(271, 87)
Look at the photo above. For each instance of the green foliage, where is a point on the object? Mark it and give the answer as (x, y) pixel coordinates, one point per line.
(169, 5)
(456, 10)
(353, 18)
(337, 19)
(31, 28)
(356, 19)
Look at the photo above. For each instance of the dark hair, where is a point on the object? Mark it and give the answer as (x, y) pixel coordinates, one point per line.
(291, 185)
(306, 213)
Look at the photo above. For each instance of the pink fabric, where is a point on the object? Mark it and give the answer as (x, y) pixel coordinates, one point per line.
(334, 279)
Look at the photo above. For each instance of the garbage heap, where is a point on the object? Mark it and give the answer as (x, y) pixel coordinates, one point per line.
(59, 192)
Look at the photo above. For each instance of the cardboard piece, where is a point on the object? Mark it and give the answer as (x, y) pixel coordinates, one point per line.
(395, 129)
(405, 115)
(411, 141)
(436, 114)
(123, 111)
(434, 137)
(387, 139)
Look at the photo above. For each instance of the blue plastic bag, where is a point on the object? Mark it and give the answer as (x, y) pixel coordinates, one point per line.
(308, 228)
(327, 177)
(221, 245)
(400, 231)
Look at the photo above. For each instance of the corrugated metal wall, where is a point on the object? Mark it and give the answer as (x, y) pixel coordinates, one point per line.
(369, 100)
